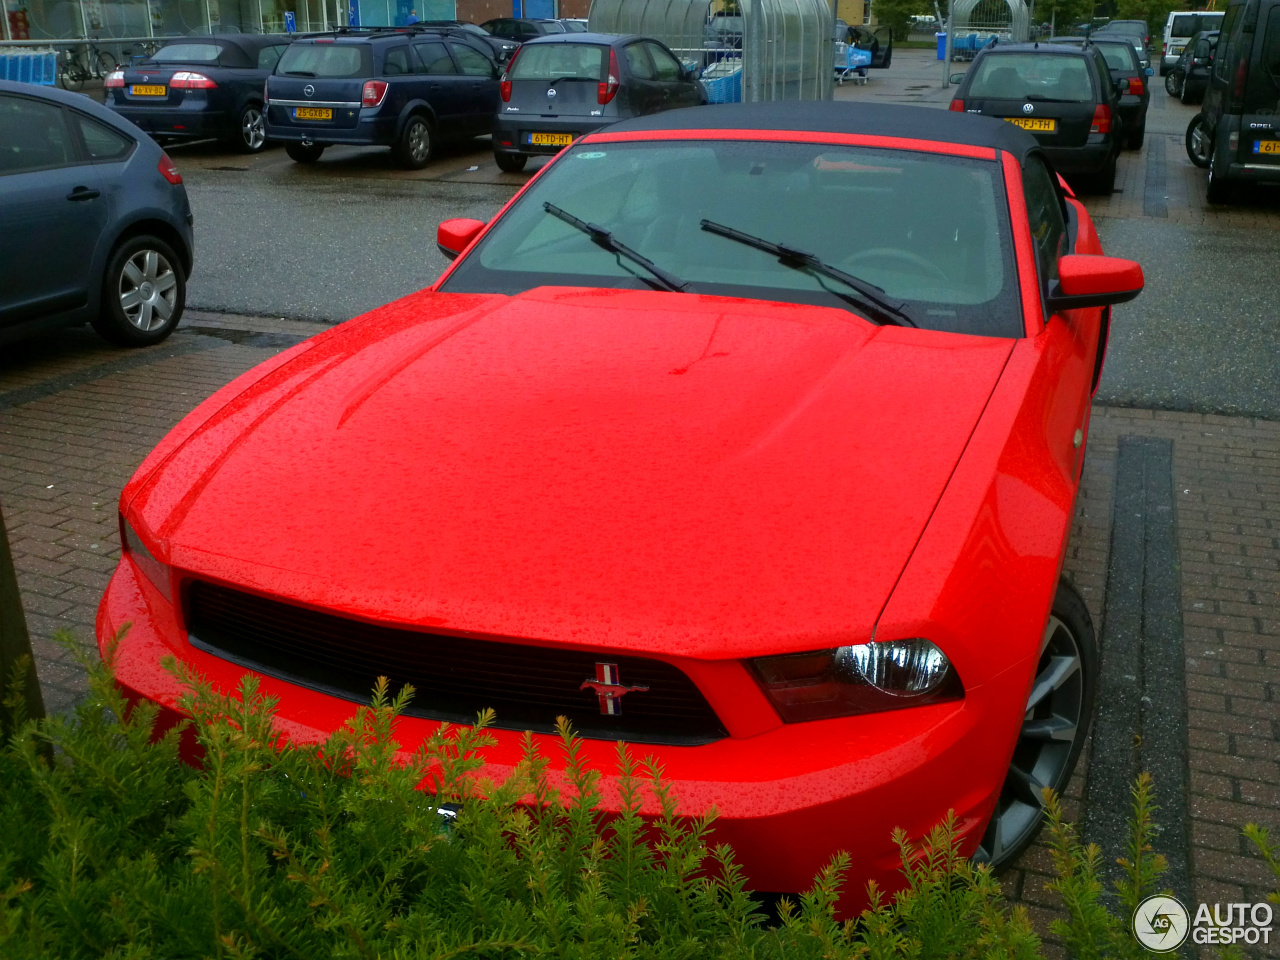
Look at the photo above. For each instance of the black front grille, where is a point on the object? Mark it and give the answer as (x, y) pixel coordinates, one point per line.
(454, 677)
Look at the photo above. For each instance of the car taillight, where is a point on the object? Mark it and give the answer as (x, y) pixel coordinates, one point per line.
(189, 80)
(373, 93)
(1238, 91)
(1136, 86)
(957, 106)
(862, 678)
(1101, 119)
(505, 86)
(1165, 49)
(609, 88)
(114, 79)
(155, 571)
(266, 98)
(168, 170)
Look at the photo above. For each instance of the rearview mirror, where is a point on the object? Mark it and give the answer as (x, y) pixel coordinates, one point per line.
(956, 78)
(1085, 280)
(453, 236)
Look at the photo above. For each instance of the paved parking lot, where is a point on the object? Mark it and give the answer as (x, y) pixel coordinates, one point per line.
(1176, 545)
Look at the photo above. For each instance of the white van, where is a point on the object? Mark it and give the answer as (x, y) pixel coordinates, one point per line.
(1181, 26)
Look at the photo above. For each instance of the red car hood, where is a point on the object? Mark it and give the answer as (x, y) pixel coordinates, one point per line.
(652, 472)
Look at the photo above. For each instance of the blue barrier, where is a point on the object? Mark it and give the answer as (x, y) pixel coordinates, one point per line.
(39, 67)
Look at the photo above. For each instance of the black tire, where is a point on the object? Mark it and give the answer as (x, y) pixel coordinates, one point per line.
(416, 143)
(1171, 84)
(1199, 147)
(144, 291)
(1054, 728)
(1219, 190)
(251, 126)
(303, 152)
(510, 162)
(1136, 137)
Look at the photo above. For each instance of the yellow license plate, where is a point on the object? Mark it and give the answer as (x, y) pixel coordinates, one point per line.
(1038, 124)
(551, 139)
(312, 113)
(148, 90)
(1266, 146)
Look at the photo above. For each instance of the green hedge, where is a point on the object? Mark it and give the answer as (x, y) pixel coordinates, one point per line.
(111, 847)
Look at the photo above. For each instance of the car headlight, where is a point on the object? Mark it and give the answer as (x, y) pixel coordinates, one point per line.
(861, 678)
(155, 571)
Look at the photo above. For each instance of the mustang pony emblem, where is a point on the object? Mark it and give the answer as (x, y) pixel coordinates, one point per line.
(608, 690)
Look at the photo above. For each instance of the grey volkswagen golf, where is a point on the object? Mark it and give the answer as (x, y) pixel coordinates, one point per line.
(95, 226)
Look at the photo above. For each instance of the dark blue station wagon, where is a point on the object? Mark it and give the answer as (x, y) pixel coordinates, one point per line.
(406, 88)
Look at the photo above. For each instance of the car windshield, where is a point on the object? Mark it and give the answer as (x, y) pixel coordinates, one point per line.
(931, 231)
(1119, 56)
(1030, 76)
(337, 60)
(187, 53)
(560, 61)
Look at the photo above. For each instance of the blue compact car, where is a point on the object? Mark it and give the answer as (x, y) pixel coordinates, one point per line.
(198, 87)
(407, 88)
(94, 221)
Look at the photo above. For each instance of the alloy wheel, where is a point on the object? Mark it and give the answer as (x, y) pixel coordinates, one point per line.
(419, 142)
(148, 290)
(1043, 754)
(253, 128)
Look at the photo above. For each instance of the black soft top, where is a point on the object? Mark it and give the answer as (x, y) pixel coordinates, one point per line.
(828, 116)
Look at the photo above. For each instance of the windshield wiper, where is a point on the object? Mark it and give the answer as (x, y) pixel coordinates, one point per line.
(868, 293)
(604, 239)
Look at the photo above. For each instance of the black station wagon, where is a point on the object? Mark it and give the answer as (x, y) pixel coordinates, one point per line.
(406, 88)
(1061, 94)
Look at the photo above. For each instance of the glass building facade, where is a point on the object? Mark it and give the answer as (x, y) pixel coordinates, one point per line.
(135, 19)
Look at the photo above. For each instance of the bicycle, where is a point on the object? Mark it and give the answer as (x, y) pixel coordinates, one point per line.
(79, 64)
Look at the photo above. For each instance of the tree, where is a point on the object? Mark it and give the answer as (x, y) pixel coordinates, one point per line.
(897, 14)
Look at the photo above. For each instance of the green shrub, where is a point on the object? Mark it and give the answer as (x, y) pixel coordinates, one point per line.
(114, 848)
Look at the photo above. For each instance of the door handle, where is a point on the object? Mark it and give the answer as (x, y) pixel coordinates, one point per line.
(83, 193)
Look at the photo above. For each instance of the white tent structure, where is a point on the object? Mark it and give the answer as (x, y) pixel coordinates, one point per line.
(787, 50)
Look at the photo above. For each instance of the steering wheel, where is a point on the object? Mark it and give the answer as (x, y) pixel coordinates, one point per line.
(899, 254)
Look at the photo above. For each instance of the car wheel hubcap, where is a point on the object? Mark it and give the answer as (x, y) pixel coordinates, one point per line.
(418, 141)
(1049, 729)
(254, 129)
(148, 290)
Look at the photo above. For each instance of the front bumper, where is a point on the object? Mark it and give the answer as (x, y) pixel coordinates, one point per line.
(511, 132)
(787, 798)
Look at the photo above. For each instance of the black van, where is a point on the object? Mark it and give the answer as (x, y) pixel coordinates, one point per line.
(1239, 118)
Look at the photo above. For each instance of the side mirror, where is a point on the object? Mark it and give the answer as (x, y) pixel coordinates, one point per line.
(453, 236)
(956, 78)
(1150, 72)
(1086, 280)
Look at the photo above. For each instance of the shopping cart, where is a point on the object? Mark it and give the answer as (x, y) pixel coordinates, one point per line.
(851, 63)
(723, 81)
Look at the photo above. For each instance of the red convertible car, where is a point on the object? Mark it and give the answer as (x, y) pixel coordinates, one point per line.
(749, 434)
